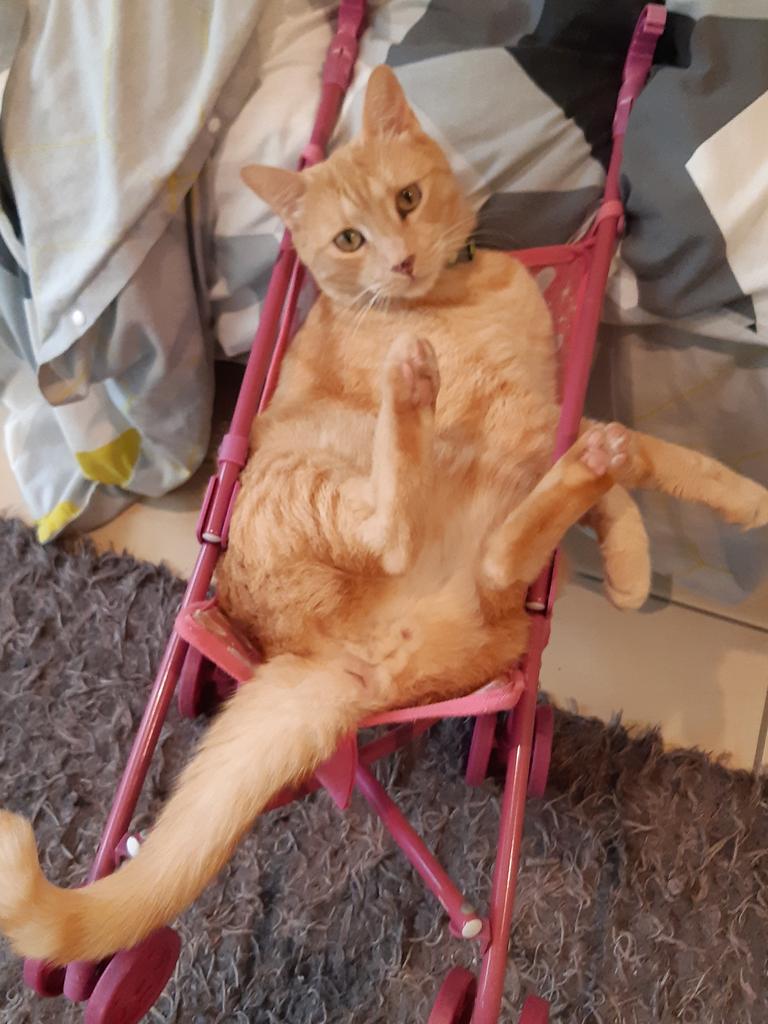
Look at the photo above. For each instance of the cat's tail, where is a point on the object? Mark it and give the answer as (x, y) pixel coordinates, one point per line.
(275, 730)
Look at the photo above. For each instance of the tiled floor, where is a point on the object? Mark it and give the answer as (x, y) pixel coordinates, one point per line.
(700, 676)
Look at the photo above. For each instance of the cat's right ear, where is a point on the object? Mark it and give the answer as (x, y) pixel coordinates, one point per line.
(281, 190)
(385, 108)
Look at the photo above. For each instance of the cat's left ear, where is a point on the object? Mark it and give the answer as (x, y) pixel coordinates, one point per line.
(280, 189)
(386, 110)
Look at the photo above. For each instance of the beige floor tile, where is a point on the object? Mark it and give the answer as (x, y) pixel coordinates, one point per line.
(702, 678)
(584, 556)
(159, 531)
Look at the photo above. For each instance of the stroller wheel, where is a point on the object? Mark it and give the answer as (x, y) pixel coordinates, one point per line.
(480, 747)
(455, 999)
(133, 980)
(535, 1011)
(44, 979)
(541, 752)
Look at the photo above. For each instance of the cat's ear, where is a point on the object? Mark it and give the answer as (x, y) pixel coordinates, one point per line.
(282, 190)
(386, 110)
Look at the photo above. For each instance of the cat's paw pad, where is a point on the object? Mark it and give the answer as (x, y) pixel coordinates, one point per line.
(413, 372)
(605, 448)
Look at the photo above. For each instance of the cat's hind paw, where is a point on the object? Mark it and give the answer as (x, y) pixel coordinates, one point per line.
(749, 505)
(604, 448)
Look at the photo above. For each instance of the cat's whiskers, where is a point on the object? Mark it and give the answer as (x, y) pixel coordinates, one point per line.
(361, 303)
(353, 302)
(457, 232)
(366, 308)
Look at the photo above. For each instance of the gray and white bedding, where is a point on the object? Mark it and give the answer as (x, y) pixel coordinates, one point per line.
(131, 255)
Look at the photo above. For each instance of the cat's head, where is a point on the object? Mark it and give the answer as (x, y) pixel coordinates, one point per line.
(383, 215)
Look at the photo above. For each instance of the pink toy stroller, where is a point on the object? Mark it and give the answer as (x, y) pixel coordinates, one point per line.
(209, 660)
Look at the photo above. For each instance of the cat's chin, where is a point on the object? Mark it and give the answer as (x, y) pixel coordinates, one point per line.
(417, 287)
(400, 291)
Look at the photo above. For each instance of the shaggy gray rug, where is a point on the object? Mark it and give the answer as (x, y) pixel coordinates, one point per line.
(643, 895)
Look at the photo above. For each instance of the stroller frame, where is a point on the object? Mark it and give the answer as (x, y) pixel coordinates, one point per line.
(207, 659)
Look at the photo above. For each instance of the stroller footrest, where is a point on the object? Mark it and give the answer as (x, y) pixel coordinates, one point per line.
(207, 629)
(500, 695)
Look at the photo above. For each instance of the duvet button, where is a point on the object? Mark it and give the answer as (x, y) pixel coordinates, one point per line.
(77, 317)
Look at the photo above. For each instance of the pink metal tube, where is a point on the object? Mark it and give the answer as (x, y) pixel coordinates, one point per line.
(577, 368)
(581, 345)
(393, 740)
(80, 978)
(261, 350)
(462, 914)
(151, 723)
(284, 334)
(382, 746)
(491, 981)
(582, 341)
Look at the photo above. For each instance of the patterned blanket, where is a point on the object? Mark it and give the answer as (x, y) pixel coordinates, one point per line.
(131, 253)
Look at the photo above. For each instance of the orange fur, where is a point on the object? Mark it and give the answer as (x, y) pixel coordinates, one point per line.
(395, 507)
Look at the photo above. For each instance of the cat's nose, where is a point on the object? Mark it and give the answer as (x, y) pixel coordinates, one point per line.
(406, 266)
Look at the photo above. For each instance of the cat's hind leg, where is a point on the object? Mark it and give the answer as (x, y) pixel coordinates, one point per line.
(624, 547)
(605, 455)
(681, 473)
(518, 550)
(690, 476)
(396, 491)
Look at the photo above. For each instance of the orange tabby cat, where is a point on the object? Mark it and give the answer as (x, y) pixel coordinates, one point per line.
(396, 506)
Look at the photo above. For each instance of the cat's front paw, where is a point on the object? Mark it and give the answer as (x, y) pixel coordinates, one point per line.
(412, 372)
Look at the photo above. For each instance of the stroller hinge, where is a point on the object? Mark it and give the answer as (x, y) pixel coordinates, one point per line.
(222, 491)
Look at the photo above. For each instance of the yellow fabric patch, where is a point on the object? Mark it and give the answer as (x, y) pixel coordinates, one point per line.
(114, 462)
(56, 520)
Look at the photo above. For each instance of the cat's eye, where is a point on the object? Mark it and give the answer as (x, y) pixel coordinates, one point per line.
(348, 240)
(408, 199)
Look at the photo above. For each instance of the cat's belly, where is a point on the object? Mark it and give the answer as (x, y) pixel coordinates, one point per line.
(287, 600)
